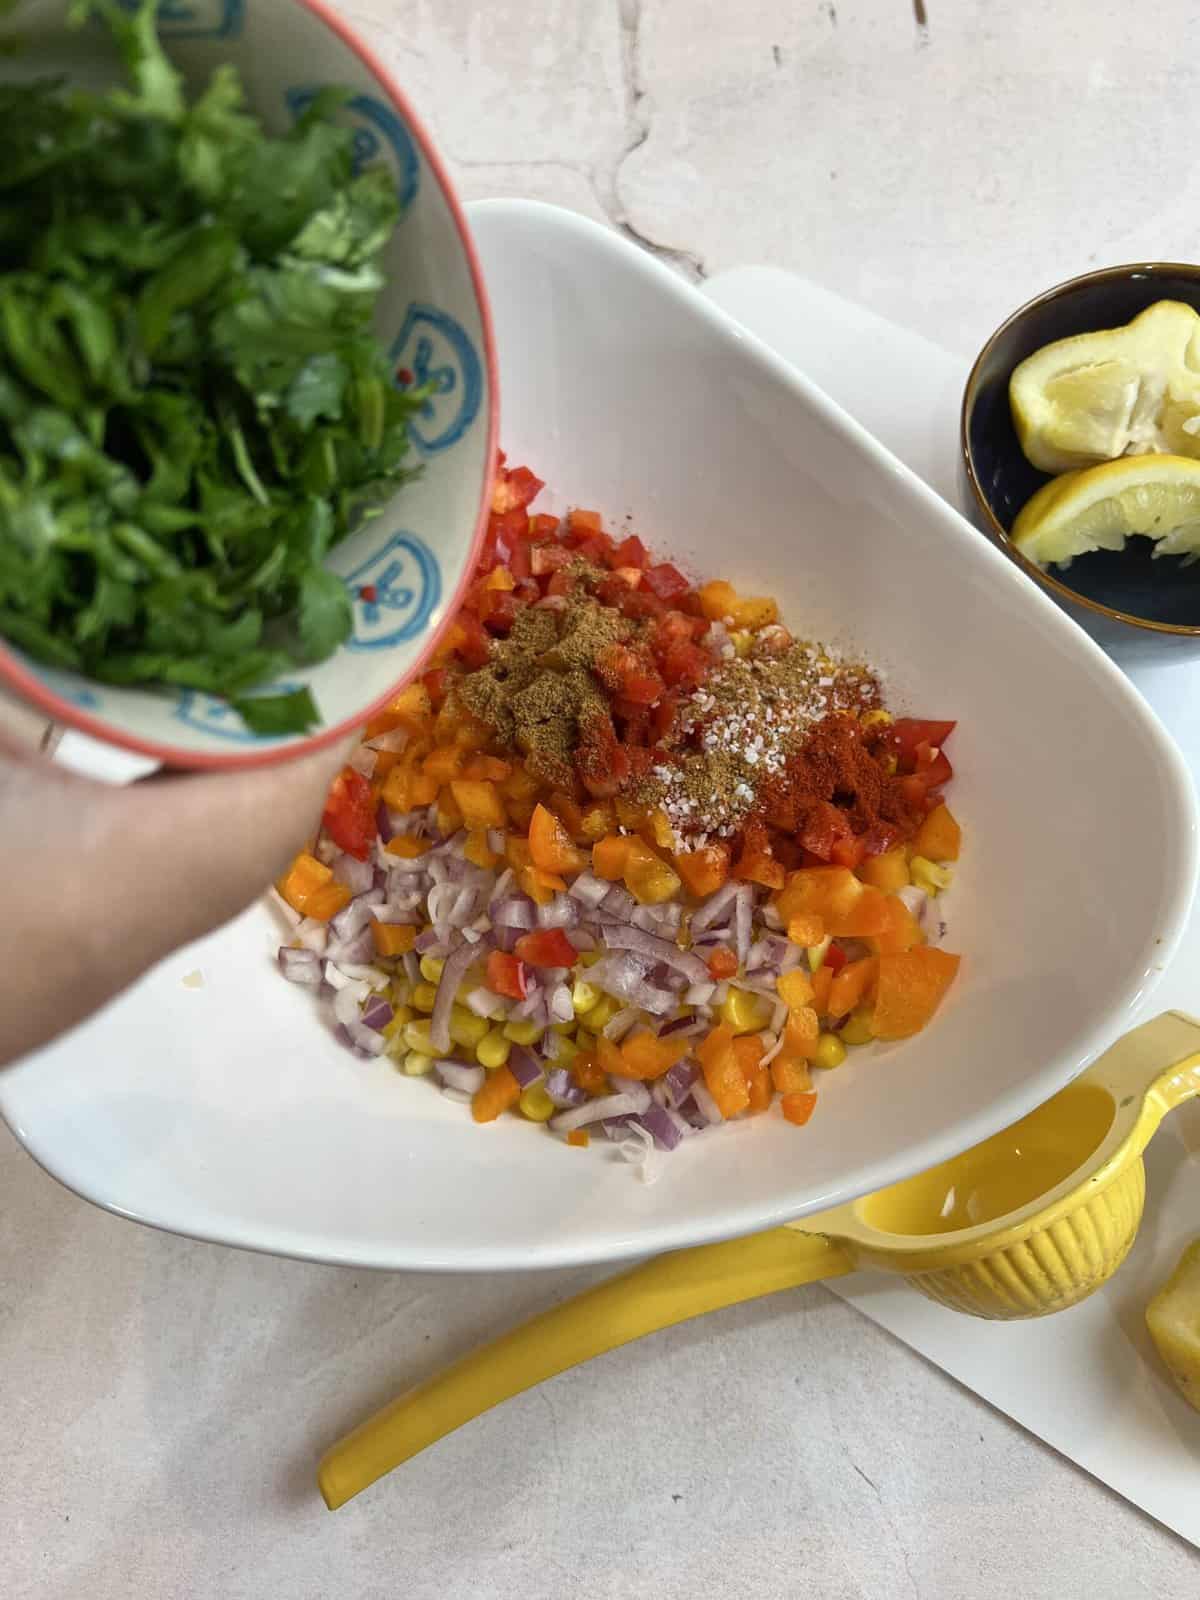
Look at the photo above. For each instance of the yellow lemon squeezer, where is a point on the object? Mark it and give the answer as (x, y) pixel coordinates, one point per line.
(1028, 1222)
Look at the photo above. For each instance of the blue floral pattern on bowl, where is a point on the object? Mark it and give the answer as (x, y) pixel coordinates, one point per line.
(210, 714)
(197, 19)
(394, 593)
(432, 348)
(377, 131)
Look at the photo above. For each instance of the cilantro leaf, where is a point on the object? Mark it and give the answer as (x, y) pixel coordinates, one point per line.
(194, 407)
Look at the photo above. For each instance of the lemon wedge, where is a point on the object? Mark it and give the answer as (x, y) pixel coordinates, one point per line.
(1173, 1318)
(1098, 508)
(1122, 391)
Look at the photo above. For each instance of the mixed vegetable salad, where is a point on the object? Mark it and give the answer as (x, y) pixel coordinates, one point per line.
(629, 857)
(193, 405)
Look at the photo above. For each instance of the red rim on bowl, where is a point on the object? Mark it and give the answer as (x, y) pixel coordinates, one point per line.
(32, 688)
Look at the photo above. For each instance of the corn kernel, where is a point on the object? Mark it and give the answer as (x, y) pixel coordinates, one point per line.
(929, 876)
(416, 1037)
(831, 1052)
(817, 954)
(741, 642)
(565, 1052)
(584, 996)
(562, 1028)
(466, 1028)
(876, 719)
(431, 968)
(746, 1012)
(416, 1065)
(583, 1040)
(424, 996)
(525, 1032)
(536, 1104)
(601, 1014)
(857, 1029)
(492, 1050)
(400, 1016)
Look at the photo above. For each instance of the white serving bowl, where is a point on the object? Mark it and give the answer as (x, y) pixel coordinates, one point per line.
(227, 1111)
(417, 555)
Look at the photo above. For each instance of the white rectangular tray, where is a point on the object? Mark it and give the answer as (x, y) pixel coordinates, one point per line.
(1087, 1381)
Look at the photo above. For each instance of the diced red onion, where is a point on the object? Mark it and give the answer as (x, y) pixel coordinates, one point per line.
(393, 741)
(516, 911)
(428, 943)
(915, 899)
(484, 1003)
(458, 1075)
(453, 973)
(377, 1014)
(336, 978)
(358, 876)
(411, 962)
(563, 1090)
(289, 914)
(502, 887)
(778, 1016)
(524, 1065)
(589, 889)
(633, 1089)
(619, 1024)
(300, 966)
(356, 951)
(366, 1039)
(700, 993)
(681, 1122)
(346, 1004)
(527, 1009)
(656, 949)
(609, 1105)
(582, 940)
(342, 1034)
(457, 1095)
(559, 1004)
(560, 912)
(364, 972)
(742, 920)
(658, 1124)
(683, 1027)
(363, 761)
(505, 938)
(404, 871)
(616, 1128)
(695, 1118)
(313, 935)
(707, 912)
(771, 918)
(619, 903)
(497, 839)
(720, 993)
(326, 851)
(678, 1080)
(771, 1051)
(705, 1104)
(353, 918)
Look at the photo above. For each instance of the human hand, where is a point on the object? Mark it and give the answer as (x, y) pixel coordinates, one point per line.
(99, 882)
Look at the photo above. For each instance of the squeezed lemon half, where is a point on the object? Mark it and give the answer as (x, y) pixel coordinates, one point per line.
(1173, 1318)
(1097, 508)
(1123, 391)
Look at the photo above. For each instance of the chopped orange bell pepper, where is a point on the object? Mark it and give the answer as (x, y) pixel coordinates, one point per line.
(789, 1075)
(443, 763)
(888, 871)
(754, 612)
(649, 879)
(578, 1138)
(584, 521)
(519, 785)
(794, 989)
(797, 1108)
(489, 769)
(608, 857)
(550, 844)
(703, 871)
(393, 938)
(910, 989)
(422, 790)
(806, 928)
(902, 932)
(478, 851)
(411, 709)
(723, 1076)
(479, 803)
(588, 1073)
(449, 813)
(722, 963)
(748, 1052)
(848, 908)
(646, 1056)
(717, 600)
(327, 901)
(538, 885)
(939, 838)
(497, 1093)
(406, 846)
(517, 852)
(305, 875)
(851, 984)
(596, 820)
(800, 1033)
(822, 982)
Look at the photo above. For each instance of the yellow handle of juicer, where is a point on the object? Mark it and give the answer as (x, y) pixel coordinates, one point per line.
(668, 1290)
(1132, 1070)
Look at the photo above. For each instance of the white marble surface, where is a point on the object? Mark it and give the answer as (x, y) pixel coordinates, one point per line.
(165, 1401)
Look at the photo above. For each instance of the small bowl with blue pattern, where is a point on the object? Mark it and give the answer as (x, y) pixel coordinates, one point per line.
(407, 567)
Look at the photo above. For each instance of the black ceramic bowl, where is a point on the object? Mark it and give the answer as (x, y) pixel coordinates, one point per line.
(1108, 591)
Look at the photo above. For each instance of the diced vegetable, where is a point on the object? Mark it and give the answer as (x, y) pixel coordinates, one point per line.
(911, 986)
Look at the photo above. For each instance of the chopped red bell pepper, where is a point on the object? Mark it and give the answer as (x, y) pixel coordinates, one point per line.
(506, 975)
(665, 580)
(686, 665)
(349, 815)
(630, 552)
(546, 947)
